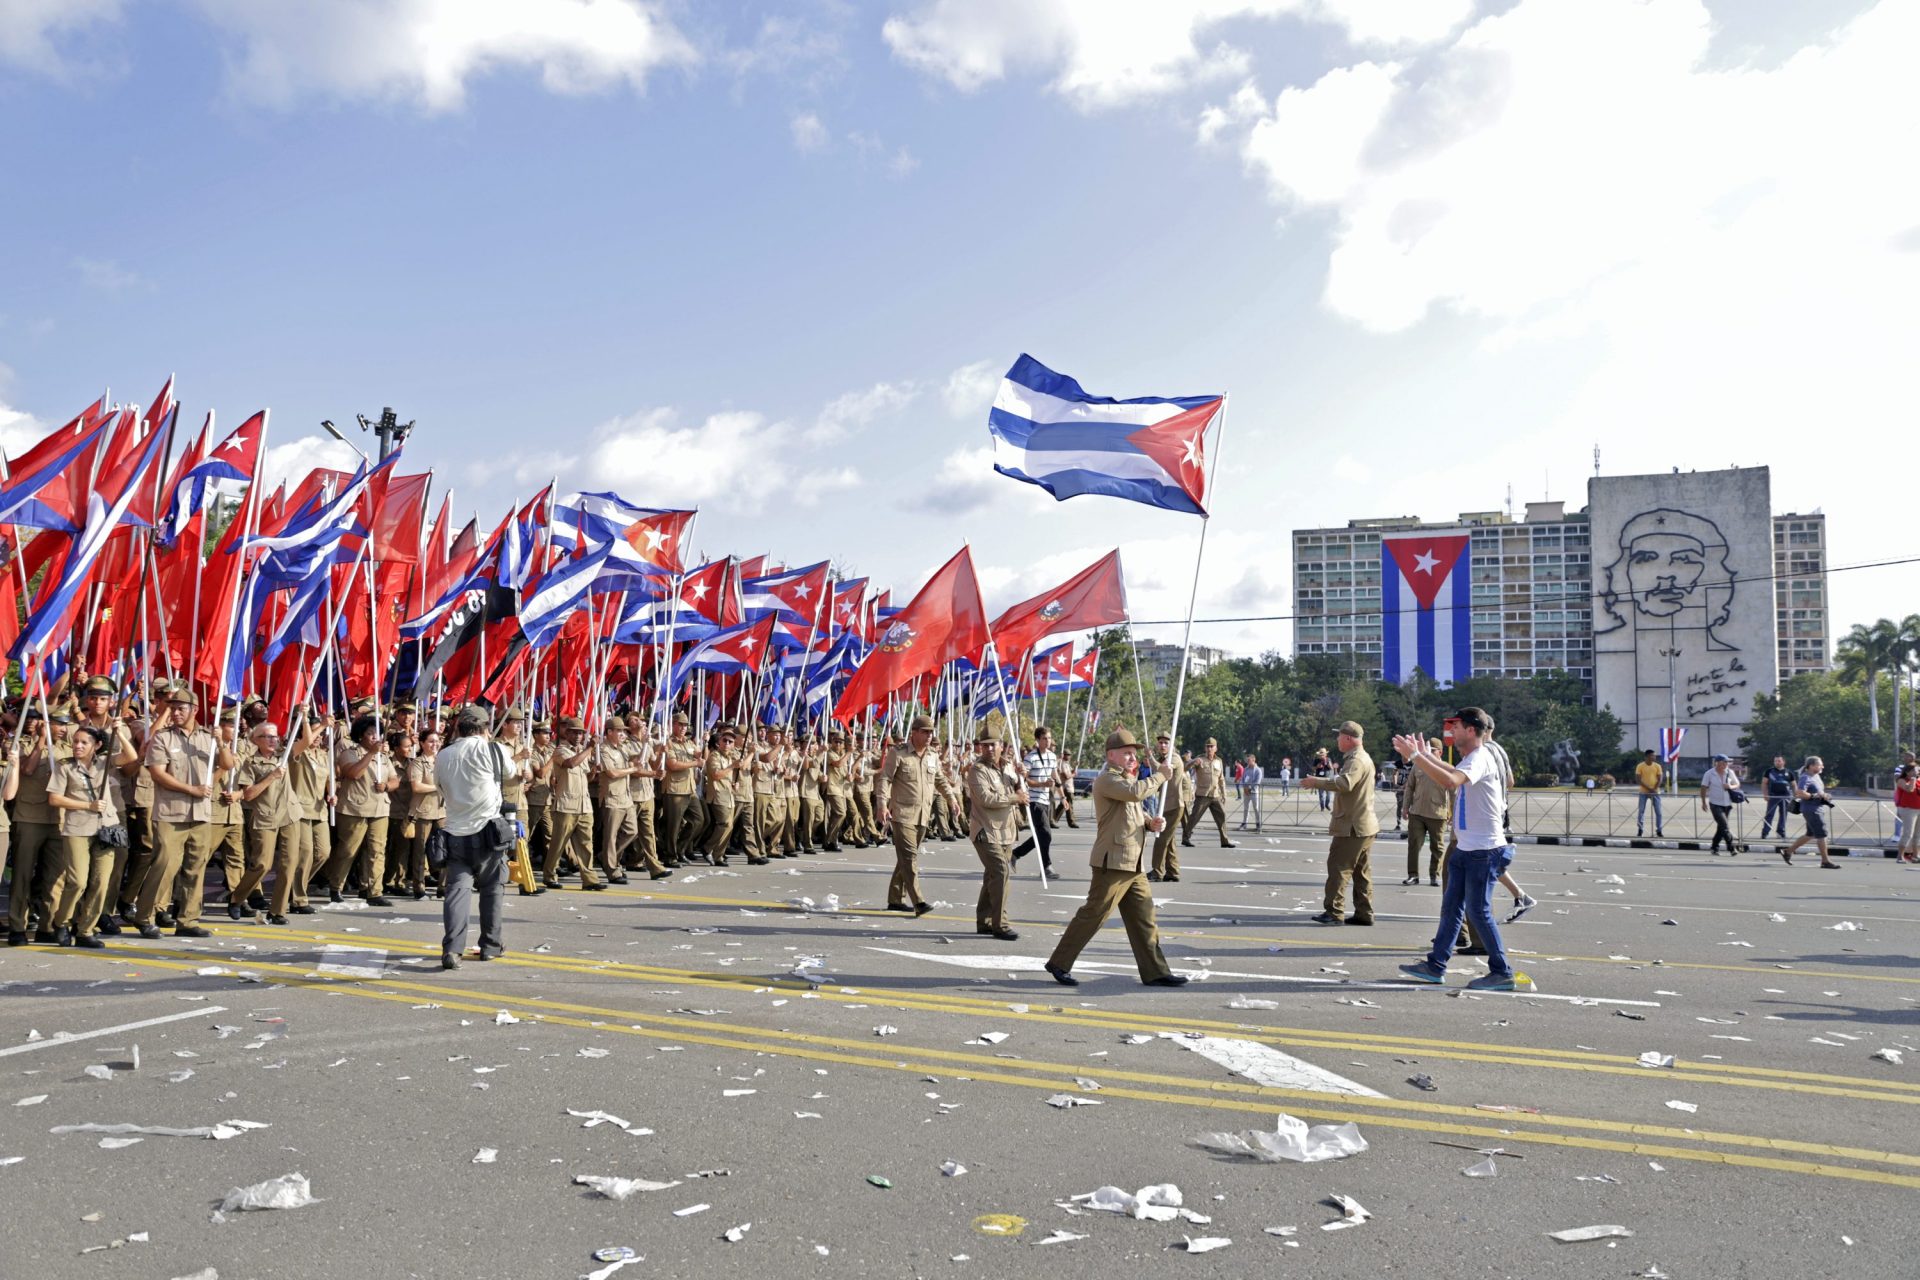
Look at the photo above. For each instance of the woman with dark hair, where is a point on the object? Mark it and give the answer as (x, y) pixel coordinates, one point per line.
(426, 809)
(367, 779)
(83, 797)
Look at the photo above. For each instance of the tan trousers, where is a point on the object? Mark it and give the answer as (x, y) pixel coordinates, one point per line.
(904, 888)
(364, 840)
(812, 819)
(1128, 893)
(767, 814)
(181, 849)
(646, 844)
(676, 834)
(263, 843)
(1166, 845)
(790, 838)
(572, 833)
(1434, 832)
(1202, 807)
(720, 820)
(996, 864)
(80, 890)
(619, 828)
(863, 825)
(1349, 857)
(230, 851)
(33, 842)
(839, 809)
(293, 863)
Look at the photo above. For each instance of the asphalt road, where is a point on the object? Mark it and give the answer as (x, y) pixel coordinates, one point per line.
(672, 1007)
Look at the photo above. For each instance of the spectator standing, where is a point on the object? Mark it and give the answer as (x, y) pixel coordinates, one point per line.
(1286, 776)
(1353, 827)
(1906, 803)
(476, 835)
(1719, 792)
(1251, 776)
(1779, 785)
(1043, 774)
(1650, 776)
(1811, 792)
(1322, 767)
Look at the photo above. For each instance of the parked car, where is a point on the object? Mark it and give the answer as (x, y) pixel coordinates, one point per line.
(1083, 781)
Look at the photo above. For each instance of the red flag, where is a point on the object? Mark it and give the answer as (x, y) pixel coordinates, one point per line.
(704, 591)
(944, 621)
(1094, 597)
(657, 538)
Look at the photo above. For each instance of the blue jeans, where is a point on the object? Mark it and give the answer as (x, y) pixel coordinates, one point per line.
(1467, 893)
(1776, 819)
(1640, 813)
(1326, 799)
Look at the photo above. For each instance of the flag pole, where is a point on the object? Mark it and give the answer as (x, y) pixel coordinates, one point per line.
(1193, 596)
(1013, 726)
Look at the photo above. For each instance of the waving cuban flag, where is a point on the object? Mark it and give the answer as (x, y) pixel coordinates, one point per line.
(734, 650)
(1047, 430)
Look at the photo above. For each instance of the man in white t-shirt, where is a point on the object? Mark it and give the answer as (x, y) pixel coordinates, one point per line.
(1481, 856)
(1718, 787)
(469, 773)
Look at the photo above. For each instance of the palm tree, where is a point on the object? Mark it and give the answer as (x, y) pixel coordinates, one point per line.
(1907, 659)
(1864, 653)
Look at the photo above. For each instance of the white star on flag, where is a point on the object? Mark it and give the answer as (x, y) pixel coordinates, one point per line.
(1425, 562)
(655, 539)
(800, 588)
(699, 590)
(1192, 455)
(235, 442)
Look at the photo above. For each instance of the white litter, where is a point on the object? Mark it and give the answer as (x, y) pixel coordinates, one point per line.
(504, 1019)
(1252, 1002)
(734, 1235)
(886, 1031)
(594, 1053)
(1062, 1237)
(34, 1101)
(593, 1118)
(98, 1071)
(604, 1272)
(619, 1188)
(1354, 1213)
(990, 1037)
(1654, 1058)
(953, 1168)
(181, 1076)
(1845, 926)
(205, 1273)
(1204, 1244)
(1135, 1039)
(1071, 1100)
(1158, 1203)
(1573, 1235)
(486, 1155)
(1609, 880)
(1265, 1065)
(1282, 1231)
(288, 1191)
(1485, 1169)
(218, 1132)
(352, 962)
(1291, 1139)
(690, 1210)
(1776, 917)
(737, 1093)
(115, 1144)
(1684, 1106)
(1888, 1055)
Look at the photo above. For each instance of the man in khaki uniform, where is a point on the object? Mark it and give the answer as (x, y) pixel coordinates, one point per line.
(680, 816)
(838, 786)
(308, 772)
(790, 795)
(1174, 799)
(1429, 806)
(1208, 795)
(124, 771)
(229, 813)
(866, 833)
(366, 779)
(538, 814)
(572, 807)
(1352, 826)
(912, 777)
(993, 799)
(877, 761)
(182, 760)
(1119, 835)
(612, 781)
(764, 820)
(643, 756)
(273, 821)
(812, 816)
(36, 830)
(717, 770)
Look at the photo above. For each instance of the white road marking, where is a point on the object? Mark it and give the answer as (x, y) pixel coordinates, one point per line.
(1034, 964)
(66, 1037)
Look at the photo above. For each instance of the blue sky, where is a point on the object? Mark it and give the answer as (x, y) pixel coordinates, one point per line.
(769, 259)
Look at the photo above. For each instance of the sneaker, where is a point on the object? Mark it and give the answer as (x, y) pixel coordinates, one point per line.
(1492, 982)
(1411, 880)
(1523, 904)
(1423, 972)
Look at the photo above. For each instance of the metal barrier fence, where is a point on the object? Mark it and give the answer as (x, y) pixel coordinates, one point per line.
(1572, 815)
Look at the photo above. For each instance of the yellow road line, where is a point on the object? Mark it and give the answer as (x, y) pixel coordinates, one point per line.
(799, 1044)
(1863, 1088)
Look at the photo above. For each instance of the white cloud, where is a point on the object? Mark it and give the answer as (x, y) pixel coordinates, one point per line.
(1311, 147)
(35, 35)
(970, 389)
(1351, 469)
(1104, 53)
(965, 482)
(294, 459)
(737, 460)
(425, 51)
(855, 409)
(19, 430)
(108, 276)
(809, 132)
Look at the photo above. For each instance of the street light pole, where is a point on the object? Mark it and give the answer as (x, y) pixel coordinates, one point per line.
(389, 430)
(1670, 652)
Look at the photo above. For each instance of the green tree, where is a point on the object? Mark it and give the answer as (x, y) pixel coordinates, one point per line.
(1866, 651)
(1822, 714)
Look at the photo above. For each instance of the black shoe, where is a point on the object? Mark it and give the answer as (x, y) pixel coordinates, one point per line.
(63, 937)
(1434, 881)
(88, 941)
(752, 862)
(1358, 920)
(1168, 980)
(898, 906)
(1411, 880)
(257, 900)
(922, 908)
(595, 887)
(109, 926)
(661, 874)
(1005, 935)
(1327, 917)
(419, 893)
(376, 900)
(1186, 844)
(164, 919)
(273, 919)
(1224, 844)
(333, 894)
(301, 910)
(191, 931)
(147, 931)
(1470, 950)
(551, 884)
(449, 962)
(1169, 879)
(1062, 976)
(1153, 877)
(235, 911)
(623, 879)
(44, 937)
(830, 848)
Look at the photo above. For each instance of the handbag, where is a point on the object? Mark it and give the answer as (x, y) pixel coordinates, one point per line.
(111, 835)
(504, 831)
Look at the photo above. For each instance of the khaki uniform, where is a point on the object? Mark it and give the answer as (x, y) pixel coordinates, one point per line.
(1353, 827)
(813, 817)
(838, 788)
(1208, 797)
(125, 790)
(572, 810)
(273, 825)
(182, 825)
(360, 833)
(230, 821)
(721, 811)
(992, 802)
(646, 843)
(308, 775)
(767, 808)
(619, 821)
(681, 809)
(36, 844)
(860, 793)
(1429, 808)
(426, 810)
(538, 813)
(912, 780)
(1174, 803)
(1118, 883)
(80, 888)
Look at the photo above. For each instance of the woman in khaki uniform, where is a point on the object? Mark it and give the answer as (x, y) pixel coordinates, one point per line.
(308, 774)
(36, 831)
(273, 820)
(426, 810)
(82, 793)
(367, 780)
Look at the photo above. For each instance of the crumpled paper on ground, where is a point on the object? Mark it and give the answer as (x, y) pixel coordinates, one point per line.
(219, 1132)
(1291, 1139)
(619, 1188)
(1157, 1203)
(1573, 1235)
(288, 1191)
(1354, 1213)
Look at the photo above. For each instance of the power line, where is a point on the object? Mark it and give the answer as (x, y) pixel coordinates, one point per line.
(1569, 602)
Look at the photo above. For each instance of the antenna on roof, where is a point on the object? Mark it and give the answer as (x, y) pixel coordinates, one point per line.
(1596, 457)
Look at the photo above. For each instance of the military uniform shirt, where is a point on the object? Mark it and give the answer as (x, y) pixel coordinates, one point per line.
(185, 756)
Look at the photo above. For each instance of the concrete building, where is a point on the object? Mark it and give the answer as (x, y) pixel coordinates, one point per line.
(1159, 662)
(1800, 593)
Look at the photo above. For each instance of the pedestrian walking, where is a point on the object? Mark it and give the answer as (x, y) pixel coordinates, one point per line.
(1322, 767)
(1779, 784)
(1043, 774)
(475, 837)
(1810, 794)
(1429, 808)
(1719, 792)
(1251, 778)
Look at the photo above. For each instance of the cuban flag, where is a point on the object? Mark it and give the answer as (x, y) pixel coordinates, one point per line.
(1048, 431)
(1670, 744)
(734, 651)
(1426, 617)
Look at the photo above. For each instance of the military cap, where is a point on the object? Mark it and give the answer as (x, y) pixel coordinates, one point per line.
(515, 716)
(1121, 738)
(474, 717)
(726, 729)
(681, 717)
(183, 696)
(836, 736)
(1166, 737)
(541, 726)
(60, 716)
(985, 735)
(98, 684)
(229, 715)
(1212, 742)
(1353, 729)
(919, 723)
(571, 722)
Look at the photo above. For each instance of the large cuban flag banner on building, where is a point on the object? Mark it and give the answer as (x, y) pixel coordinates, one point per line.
(1426, 620)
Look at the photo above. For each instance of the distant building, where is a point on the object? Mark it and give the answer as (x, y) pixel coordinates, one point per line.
(1159, 662)
(1800, 593)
